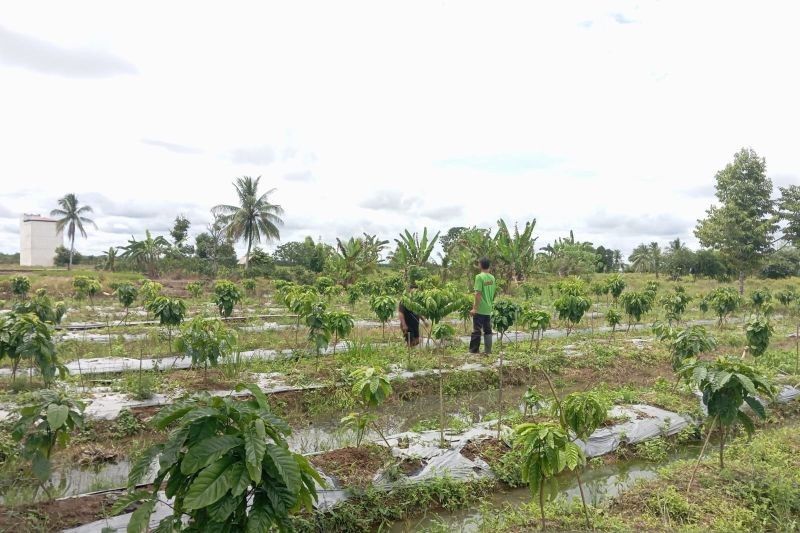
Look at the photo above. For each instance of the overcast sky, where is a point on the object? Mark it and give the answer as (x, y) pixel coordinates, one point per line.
(609, 118)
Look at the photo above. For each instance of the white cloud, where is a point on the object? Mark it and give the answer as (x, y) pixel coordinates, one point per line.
(561, 112)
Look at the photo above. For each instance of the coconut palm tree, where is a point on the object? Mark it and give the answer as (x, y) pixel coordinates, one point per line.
(71, 217)
(254, 218)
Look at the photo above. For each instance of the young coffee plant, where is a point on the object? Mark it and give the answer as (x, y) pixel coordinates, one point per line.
(226, 295)
(149, 291)
(371, 389)
(536, 321)
(616, 284)
(727, 385)
(787, 296)
(613, 319)
(571, 308)
(340, 325)
(636, 305)
(86, 287)
(195, 289)
(685, 344)
(170, 312)
(546, 452)
(758, 331)
(226, 466)
(504, 315)
(249, 286)
(675, 304)
(20, 286)
(319, 333)
(724, 301)
(43, 307)
(45, 422)
(126, 294)
(759, 298)
(384, 307)
(25, 336)
(206, 341)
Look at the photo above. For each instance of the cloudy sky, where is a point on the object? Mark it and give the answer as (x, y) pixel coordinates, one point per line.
(609, 118)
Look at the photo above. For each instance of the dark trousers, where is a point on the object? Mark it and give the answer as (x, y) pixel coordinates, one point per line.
(481, 325)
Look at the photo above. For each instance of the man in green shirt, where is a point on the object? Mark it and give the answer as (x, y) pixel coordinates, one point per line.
(482, 309)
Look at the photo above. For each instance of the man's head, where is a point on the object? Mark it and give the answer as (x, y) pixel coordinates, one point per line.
(485, 263)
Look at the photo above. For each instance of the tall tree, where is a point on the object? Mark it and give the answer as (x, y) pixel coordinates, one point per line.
(742, 226)
(789, 211)
(655, 257)
(72, 217)
(180, 231)
(254, 218)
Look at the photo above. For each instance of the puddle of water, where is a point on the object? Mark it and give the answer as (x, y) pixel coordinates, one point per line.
(599, 485)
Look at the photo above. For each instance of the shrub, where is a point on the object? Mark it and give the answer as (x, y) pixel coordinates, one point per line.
(226, 296)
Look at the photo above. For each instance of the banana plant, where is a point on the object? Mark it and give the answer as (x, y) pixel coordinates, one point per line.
(226, 466)
(412, 250)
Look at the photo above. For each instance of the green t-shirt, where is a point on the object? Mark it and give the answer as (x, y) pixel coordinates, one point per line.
(484, 284)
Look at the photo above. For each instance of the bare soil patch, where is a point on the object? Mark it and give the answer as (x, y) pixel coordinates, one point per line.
(353, 467)
(56, 515)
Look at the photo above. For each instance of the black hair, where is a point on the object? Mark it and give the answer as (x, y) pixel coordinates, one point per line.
(485, 263)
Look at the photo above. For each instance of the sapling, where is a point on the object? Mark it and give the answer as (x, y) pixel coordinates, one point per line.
(384, 307)
(758, 331)
(226, 295)
(206, 341)
(340, 324)
(170, 312)
(616, 284)
(20, 286)
(126, 294)
(86, 286)
(504, 315)
(613, 319)
(249, 286)
(41, 305)
(547, 451)
(371, 389)
(724, 301)
(44, 422)
(759, 298)
(536, 321)
(195, 289)
(26, 336)
(571, 308)
(726, 385)
(636, 304)
(444, 333)
(225, 466)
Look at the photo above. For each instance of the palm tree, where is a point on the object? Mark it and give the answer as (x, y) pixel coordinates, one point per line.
(255, 217)
(71, 218)
(655, 257)
(640, 258)
(147, 252)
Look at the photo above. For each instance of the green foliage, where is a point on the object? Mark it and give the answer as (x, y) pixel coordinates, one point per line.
(434, 304)
(319, 333)
(547, 451)
(759, 298)
(85, 286)
(170, 312)
(322, 283)
(43, 307)
(370, 386)
(149, 291)
(249, 285)
(20, 286)
(358, 422)
(127, 294)
(227, 465)
(383, 307)
(340, 324)
(44, 422)
(636, 304)
(616, 284)
(675, 304)
(613, 318)
(195, 289)
(584, 412)
(206, 341)
(787, 296)
(685, 344)
(724, 301)
(758, 331)
(443, 332)
(727, 384)
(26, 336)
(226, 295)
(572, 304)
(504, 314)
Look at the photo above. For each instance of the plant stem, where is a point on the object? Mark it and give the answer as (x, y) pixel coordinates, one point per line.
(441, 398)
(375, 425)
(541, 502)
(500, 397)
(722, 448)
(583, 500)
(702, 450)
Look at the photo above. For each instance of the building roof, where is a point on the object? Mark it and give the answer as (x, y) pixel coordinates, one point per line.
(36, 218)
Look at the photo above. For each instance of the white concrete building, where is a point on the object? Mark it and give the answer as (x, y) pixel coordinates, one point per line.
(38, 240)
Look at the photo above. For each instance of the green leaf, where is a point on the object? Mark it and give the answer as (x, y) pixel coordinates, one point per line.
(259, 519)
(207, 451)
(57, 415)
(41, 467)
(126, 499)
(756, 406)
(142, 465)
(170, 413)
(286, 465)
(255, 445)
(257, 393)
(220, 511)
(239, 478)
(749, 427)
(209, 486)
(140, 519)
